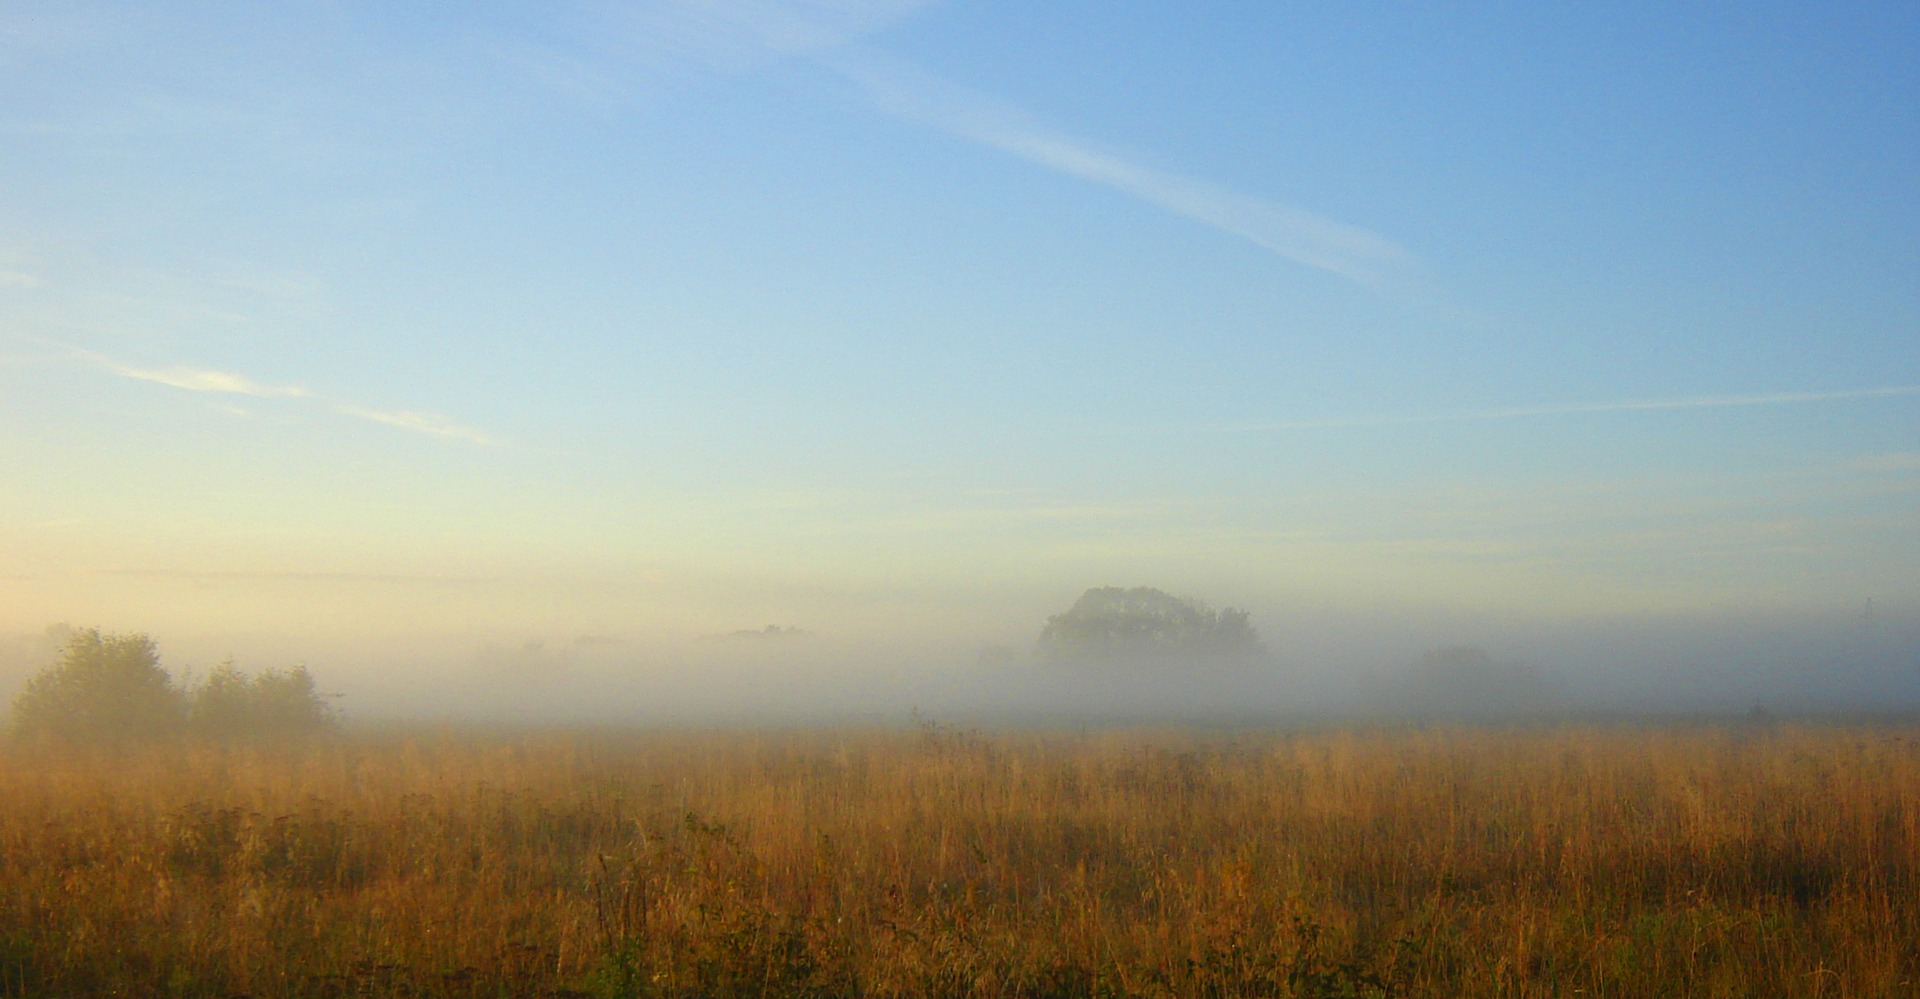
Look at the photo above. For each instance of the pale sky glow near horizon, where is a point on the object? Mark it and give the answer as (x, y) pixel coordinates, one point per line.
(881, 318)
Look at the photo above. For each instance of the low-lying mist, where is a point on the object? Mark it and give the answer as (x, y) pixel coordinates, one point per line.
(1321, 665)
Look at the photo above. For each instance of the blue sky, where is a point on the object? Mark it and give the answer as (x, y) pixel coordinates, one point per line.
(670, 317)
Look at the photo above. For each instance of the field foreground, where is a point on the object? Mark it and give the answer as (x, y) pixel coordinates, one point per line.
(1599, 861)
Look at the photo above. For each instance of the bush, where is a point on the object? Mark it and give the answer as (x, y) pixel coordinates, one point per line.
(103, 688)
(112, 690)
(275, 705)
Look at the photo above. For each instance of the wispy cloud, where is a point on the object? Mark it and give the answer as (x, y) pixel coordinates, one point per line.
(18, 279)
(1348, 251)
(228, 383)
(426, 423)
(967, 519)
(831, 33)
(1576, 409)
(206, 380)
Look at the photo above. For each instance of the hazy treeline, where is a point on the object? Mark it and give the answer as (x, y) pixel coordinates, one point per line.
(1114, 654)
(105, 689)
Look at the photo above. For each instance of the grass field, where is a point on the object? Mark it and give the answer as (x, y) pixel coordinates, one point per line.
(1551, 861)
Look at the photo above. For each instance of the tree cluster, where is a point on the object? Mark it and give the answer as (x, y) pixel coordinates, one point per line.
(1145, 624)
(112, 690)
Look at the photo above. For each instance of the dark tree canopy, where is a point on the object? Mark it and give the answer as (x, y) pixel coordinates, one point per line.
(1142, 623)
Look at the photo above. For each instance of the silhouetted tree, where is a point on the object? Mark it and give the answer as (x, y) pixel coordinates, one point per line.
(1142, 623)
(103, 689)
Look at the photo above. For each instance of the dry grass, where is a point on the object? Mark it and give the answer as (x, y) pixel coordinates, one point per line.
(1557, 861)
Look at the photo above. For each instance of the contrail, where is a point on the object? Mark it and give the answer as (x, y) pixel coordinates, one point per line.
(911, 93)
(1574, 409)
(829, 34)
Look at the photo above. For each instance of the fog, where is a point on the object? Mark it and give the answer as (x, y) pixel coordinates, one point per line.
(1317, 663)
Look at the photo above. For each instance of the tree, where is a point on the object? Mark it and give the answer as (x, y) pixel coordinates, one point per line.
(103, 688)
(111, 690)
(1144, 624)
(277, 705)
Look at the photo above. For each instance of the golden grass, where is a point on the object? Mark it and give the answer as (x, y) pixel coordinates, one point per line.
(1599, 861)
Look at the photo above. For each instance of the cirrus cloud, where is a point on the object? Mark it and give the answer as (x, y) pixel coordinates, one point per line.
(209, 380)
(432, 424)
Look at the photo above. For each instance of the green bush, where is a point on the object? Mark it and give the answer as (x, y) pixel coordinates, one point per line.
(103, 688)
(112, 690)
(275, 705)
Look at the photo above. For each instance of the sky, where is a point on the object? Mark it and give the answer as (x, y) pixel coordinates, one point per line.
(906, 322)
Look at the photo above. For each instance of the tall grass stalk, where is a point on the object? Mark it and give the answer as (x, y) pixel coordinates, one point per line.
(1616, 861)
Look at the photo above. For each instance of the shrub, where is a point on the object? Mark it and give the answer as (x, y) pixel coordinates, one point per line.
(275, 705)
(112, 690)
(103, 688)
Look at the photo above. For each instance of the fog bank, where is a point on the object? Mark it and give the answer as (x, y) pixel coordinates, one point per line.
(1314, 664)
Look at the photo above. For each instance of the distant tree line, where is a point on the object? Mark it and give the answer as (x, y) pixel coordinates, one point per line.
(112, 690)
